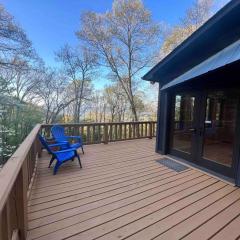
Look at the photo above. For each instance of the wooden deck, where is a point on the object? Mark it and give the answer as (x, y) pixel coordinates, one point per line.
(123, 193)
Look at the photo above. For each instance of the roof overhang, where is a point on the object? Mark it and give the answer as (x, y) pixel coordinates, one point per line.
(217, 33)
(227, 56)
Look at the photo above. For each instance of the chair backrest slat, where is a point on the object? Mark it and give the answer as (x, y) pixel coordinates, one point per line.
(44, 143)
(58, 133)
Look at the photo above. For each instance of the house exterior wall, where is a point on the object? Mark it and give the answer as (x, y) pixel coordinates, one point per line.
(163, 122)
(223, 79)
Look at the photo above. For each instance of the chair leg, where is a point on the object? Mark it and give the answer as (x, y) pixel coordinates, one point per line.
(78, 157)
(82, 150)
(58, 164)
(51, 161)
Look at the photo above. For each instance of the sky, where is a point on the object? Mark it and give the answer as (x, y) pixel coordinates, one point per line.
(50, 24)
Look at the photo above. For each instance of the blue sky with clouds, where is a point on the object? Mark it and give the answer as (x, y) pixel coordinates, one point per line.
(52, 23)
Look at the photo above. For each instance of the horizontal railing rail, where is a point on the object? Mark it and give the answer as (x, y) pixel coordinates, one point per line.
(93, 133)
(17, 175)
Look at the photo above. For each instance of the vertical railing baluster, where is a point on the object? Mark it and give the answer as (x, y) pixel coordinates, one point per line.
(11, 214)
(105, 138)
(88, 134)
(153, 133)
(130, 131)
(99, 134)
(110, 132)
(21, 201)
(4, 224)
(120, 131)
(93, 138)
(82, 132)
(150, 130)
(125, 131)
(116, 131)
(134, 130)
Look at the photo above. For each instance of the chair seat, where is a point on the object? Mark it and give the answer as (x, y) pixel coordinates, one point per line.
(65, 156)
(75, 145)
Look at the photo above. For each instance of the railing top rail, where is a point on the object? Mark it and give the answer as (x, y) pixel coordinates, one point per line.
(93, 123)
(11, 169)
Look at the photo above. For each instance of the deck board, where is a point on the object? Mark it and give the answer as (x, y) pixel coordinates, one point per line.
(123, 193)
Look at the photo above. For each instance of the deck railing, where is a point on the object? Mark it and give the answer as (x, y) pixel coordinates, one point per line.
(16, 178)
(17, 175)
(93, 133)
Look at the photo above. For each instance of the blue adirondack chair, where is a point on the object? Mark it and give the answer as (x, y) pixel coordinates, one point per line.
(60, 137)
(61, 156)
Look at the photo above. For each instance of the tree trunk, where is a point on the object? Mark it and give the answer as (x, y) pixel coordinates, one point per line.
(134, 112)
(133, 109)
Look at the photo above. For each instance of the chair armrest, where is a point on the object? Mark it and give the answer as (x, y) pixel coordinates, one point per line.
(66, 150)
(79, 137)
(58, 144)
(76, 137)
(62, 141)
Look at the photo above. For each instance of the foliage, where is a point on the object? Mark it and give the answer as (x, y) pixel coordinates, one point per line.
(16, 121)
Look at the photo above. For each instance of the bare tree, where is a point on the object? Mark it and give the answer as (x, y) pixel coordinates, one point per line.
(79, 67)
(19, 64)
(194, 17)
(51, 92)
(81, 99)
(98, 106)
(125, 39)
(4, 86)
(13, 41)
(117, 102)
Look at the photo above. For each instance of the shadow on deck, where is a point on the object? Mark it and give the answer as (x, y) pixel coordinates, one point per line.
(122, 192)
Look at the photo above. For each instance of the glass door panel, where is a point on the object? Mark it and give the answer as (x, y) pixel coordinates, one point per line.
(183, 123)
(219, 127)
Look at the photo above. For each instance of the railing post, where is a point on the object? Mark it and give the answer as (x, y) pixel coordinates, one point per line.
(105, 133)
(39, 148)
(150, 130)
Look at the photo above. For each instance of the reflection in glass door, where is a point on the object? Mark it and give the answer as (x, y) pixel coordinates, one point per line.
(183, 123)
(219, 127)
